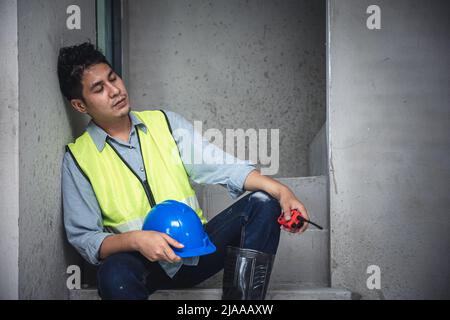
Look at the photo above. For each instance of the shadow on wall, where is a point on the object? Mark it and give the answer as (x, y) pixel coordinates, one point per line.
(77, 121)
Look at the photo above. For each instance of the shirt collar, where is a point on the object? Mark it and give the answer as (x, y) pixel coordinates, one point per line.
(99, 135)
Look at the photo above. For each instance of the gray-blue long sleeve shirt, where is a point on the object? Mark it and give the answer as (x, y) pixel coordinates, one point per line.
(82, 214)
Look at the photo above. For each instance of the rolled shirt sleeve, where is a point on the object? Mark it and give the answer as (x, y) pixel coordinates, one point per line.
(82, 214)
(205, 163)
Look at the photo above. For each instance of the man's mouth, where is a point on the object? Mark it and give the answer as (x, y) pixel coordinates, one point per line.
(120, 102)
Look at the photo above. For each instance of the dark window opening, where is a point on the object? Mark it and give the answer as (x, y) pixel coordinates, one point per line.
(109, 40)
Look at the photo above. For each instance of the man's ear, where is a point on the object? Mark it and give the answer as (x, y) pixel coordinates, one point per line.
(78, 105)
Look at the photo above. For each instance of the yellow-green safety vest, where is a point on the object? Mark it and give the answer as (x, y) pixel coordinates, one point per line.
(124, 199)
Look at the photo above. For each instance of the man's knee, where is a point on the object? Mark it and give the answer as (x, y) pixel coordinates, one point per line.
(122, 276)
(269, 203)
(264, 232)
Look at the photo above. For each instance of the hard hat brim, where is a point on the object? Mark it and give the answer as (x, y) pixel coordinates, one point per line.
(195, 252)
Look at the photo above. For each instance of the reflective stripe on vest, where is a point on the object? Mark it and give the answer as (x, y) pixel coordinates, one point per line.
(136, 224)
(124, 199)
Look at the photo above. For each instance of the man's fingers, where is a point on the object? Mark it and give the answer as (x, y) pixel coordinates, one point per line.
(303, 214)
(172, 241)
(287, 213)
(288, 230)
(305, 226)
(171, 256)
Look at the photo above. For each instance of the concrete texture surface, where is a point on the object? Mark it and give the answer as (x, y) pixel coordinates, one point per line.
(9, 156)
(233, 64)
(389, 141)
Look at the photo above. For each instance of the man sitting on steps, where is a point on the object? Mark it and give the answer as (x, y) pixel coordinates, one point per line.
(124, 164)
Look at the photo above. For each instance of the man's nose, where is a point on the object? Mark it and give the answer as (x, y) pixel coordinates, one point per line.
(113, 91)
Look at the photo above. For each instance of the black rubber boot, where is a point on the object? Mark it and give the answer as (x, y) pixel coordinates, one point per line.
(246, 274)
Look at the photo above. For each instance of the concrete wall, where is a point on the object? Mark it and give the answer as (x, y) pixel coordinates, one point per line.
(47, 124)
(389, 147)
(9, 156)
(317, 155)
(233, 64)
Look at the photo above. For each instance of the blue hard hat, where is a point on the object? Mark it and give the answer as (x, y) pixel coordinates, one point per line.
(181, 223)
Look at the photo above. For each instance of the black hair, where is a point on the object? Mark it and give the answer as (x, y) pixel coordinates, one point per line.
(72, 61)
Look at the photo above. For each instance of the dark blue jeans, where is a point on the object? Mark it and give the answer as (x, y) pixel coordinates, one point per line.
(251, 222)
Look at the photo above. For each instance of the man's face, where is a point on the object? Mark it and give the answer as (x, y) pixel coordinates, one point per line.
(104, 93)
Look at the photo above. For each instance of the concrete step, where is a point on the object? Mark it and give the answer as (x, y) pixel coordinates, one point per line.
(286, 293)
(300, 258)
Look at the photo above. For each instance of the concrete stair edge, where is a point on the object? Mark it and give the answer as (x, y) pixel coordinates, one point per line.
(311, 293)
